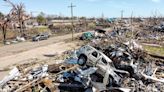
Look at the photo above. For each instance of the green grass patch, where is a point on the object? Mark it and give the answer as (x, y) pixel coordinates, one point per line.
(154, 50)
(41, 29)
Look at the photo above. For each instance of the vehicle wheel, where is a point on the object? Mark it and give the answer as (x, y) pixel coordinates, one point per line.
(82, 60)
(38, 40)
(110, 82)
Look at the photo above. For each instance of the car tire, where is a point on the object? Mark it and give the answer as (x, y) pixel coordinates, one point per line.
(82, 60)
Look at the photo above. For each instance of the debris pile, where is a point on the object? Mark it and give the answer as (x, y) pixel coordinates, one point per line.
(144, 70)
(119, 67)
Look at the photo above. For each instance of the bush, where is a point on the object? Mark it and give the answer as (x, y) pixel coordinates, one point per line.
(91, 25)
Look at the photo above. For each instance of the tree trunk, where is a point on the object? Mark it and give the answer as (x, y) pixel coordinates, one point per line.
(23, 27)
(4, 34)
(20, 25)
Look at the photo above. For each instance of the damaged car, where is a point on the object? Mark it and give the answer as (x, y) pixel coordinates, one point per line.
(92, 57)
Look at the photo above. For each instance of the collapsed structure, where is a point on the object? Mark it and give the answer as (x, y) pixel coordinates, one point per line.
(100, 66)
(119, 67)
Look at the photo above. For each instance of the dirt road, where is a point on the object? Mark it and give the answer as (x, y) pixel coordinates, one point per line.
(21, 47)
(18, 53)
(24, 52)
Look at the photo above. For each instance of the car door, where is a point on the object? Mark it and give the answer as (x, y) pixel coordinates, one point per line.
(93, 57)
(42, 37)
(37, 37)
(102, 65)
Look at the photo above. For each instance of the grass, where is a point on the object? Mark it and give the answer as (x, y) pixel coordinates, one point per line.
(41, 29)
(154, 50)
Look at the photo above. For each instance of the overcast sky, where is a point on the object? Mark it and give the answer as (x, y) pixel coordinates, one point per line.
(92, 8)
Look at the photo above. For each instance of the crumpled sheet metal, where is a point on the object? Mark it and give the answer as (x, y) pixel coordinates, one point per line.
(12, 74)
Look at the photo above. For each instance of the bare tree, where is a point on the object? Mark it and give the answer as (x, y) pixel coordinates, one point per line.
(18, 14)
(3, 26)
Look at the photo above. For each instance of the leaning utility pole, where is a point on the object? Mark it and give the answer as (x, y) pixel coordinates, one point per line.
(72, 6)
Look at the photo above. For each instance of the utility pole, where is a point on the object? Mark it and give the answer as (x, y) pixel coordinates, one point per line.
(72, 6)
(122, 14)
(102, 18)
(132, 24)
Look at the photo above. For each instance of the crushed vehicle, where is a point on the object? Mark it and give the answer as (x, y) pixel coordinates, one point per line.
(91, 57)
(86, 36)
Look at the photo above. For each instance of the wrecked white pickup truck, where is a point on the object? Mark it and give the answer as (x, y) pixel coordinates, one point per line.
(92, 57)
